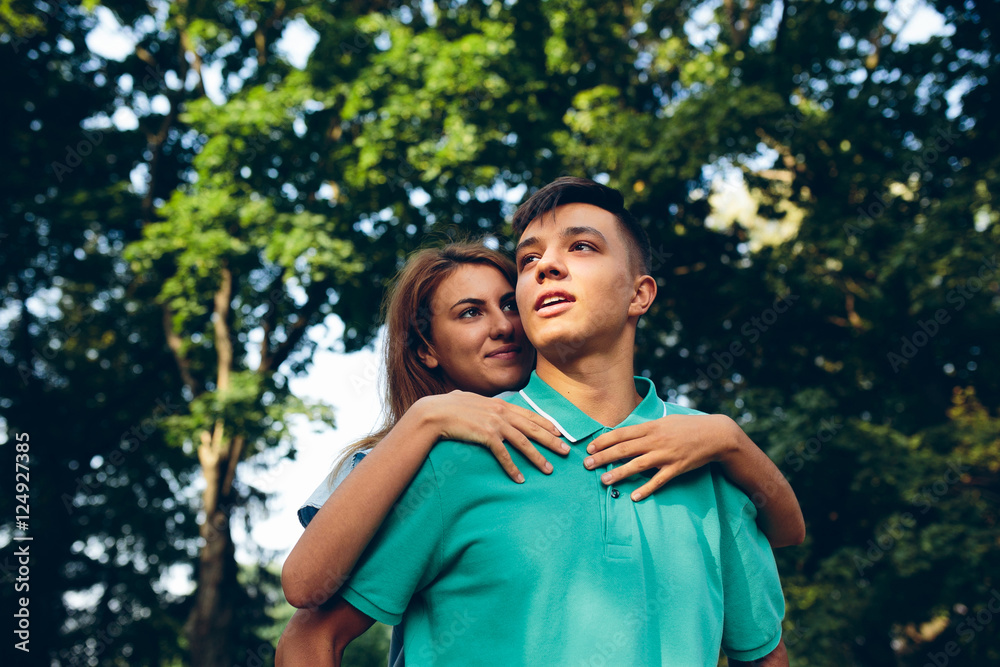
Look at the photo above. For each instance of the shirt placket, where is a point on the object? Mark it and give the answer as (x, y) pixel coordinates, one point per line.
(617, 514)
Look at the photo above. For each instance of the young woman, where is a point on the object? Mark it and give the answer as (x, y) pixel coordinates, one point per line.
(454, 338)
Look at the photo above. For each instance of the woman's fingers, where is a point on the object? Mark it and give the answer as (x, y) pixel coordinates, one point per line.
(633, 467)
(617, 436)
(665, 474)
(671, 445)
(502, 456)
(540, 424)
(521, 443)
(490, 422)
(622, 450)
(535, 427)
(540, 435)
(533, 417)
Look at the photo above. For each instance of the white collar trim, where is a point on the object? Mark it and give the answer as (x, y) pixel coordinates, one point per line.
(566, 434)
(543, 413)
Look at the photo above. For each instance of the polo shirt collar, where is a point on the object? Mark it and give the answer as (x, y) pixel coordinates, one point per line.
(573, 423)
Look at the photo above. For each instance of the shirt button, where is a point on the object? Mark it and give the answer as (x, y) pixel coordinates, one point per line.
(614, 493)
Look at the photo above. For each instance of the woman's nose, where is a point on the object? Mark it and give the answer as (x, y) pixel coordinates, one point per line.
(502, 327)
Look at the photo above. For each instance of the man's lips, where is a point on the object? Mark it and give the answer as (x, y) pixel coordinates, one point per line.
(551, 299)
(505, 352)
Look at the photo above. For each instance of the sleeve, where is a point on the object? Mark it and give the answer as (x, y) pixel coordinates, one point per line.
(752, 597)
(405, 554)
(325, 490)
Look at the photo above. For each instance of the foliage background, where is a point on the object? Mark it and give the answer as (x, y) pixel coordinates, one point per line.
(818, 185)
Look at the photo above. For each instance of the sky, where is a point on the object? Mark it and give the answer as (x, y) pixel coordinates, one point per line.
(350, 382)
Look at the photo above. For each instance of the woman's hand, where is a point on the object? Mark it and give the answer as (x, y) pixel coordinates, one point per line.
(674, 444)
(468, 417)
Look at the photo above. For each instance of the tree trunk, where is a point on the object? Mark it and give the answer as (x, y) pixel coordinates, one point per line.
(210, 625)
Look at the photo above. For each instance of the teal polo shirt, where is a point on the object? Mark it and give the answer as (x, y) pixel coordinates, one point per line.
(564, 570)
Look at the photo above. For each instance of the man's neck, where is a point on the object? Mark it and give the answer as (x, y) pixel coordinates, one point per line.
(600, 385)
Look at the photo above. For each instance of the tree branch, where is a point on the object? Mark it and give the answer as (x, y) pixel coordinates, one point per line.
(269, 321)
(174, 343)
(234, 458)
(317, 297)
(220, 320)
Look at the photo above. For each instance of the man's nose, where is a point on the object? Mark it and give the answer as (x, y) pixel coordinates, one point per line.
(551, 266)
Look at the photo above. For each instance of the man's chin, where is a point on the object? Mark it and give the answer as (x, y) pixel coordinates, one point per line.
(560, 346)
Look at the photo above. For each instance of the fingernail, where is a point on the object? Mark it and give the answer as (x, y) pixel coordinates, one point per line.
(588, 463)
(547, 467)
(590, 449)
(520, 479)
(636, 496)
(606, 477)
(564, 448)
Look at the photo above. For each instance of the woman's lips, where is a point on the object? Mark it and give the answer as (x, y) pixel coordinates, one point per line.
(505, 352)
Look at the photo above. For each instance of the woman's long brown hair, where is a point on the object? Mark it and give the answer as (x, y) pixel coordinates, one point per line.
(406, 311)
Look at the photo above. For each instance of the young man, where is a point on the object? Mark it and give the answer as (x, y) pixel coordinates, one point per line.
(568, 570)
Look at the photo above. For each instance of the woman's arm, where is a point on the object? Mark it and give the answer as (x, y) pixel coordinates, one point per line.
(326, 553)
(318, 637)
(778, 513)
(678, 443)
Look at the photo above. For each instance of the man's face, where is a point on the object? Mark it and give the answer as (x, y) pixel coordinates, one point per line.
(574, 285)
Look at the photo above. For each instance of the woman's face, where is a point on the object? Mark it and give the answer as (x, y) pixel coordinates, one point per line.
(476, 334)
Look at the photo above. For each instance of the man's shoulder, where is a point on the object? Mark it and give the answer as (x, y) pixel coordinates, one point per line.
(727, 494)
(734, 505)
(454, 463)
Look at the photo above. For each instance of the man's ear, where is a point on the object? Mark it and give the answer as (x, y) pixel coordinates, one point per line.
(642, 298)
(427, 357)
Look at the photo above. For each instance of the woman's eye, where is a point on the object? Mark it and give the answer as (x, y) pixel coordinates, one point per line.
(469, 312)
(510, 307)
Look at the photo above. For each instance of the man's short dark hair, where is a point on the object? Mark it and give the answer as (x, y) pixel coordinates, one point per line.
(573, 190)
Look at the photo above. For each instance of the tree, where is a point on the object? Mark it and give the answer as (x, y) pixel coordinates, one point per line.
(87, 361)
(100, 524)
(843, 314)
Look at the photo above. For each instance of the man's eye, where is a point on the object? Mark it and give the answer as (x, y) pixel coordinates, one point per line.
(527, 259)
(581, 244)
